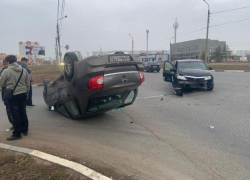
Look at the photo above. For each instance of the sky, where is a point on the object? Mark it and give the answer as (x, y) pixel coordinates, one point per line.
(108, 23)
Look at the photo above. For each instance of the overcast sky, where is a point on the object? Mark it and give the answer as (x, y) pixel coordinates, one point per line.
(107, 23)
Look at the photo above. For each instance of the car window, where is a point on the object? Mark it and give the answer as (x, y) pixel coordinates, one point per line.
(130, 98)
(191, 65)
(168, 66)
(106, 102)
(72, 108)
(62, 110)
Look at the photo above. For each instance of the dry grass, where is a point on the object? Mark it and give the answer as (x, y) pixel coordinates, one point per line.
(230, 66)
(18, 166)
(39, 73)
(226, 65)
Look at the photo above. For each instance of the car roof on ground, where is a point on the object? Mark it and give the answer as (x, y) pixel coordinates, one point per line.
(189, 60)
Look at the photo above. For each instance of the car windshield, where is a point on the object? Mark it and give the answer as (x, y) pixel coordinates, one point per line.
(191, 65)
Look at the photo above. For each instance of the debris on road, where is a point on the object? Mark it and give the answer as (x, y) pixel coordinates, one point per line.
(211, 127)
(161, 99)
(118, 109)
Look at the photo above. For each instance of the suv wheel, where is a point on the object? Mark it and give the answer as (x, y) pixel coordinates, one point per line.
(69, 60)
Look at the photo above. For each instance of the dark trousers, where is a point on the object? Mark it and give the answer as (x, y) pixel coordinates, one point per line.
(18, 111)
(8, 112)
(29, 100)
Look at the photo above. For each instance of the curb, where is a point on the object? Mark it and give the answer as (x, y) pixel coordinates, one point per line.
(57, 160)
(229, 70)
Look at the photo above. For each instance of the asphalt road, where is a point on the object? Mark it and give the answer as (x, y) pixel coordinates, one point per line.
(160, 137)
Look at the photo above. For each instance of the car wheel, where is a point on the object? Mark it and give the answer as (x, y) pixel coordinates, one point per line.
(45, 86)
(158, 70)
(69, 60)
(210, 88)
(147, 70)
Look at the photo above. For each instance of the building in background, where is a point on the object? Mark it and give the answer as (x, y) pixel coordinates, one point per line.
(153, 55)
(32, 51)
(2, 56)
(193, 49)
(242, 53)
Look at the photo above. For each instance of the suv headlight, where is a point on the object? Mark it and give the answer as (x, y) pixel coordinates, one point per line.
(181, 77)
(208, 78)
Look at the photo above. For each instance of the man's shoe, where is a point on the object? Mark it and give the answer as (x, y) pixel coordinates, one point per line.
(13, 138)
(33, 105)
(25, 133)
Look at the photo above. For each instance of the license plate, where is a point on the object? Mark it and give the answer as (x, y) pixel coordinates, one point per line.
(119, 58)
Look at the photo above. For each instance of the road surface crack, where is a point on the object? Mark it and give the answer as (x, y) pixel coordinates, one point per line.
(181, 152)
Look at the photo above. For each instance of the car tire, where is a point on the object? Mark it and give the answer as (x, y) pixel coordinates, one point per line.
(210, 88)
(45, 86)
(69, 60)
(158, 70)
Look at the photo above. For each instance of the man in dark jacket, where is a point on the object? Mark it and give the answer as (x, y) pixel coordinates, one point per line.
(17, 103)
(5, 66)
(23, 63)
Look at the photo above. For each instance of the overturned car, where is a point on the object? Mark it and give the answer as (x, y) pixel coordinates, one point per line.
(94, 85)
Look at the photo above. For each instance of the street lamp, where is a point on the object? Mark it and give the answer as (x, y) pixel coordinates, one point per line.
(100, 49)
(208, 17)
(58, 39)
(170, 49)
(147, 31)
(132, 44)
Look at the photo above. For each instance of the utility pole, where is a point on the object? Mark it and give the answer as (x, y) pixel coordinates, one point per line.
(132, 44)
(175, 25)
(59, 45)
(147, 31)
(208, 19)
(56, 50)
(170, 50)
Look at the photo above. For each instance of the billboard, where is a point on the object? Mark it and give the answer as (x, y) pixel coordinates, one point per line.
(35, 50)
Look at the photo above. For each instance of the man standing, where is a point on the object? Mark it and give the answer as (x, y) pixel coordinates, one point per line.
(23, 63)
(17, 103)
(5, 66)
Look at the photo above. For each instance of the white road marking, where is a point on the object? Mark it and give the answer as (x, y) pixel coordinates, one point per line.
(150, 97)
(234, 71)
(64, 162)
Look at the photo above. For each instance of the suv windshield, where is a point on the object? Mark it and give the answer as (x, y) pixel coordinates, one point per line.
(191, 65)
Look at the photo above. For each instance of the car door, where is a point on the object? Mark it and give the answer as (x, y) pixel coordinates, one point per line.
(168, 71)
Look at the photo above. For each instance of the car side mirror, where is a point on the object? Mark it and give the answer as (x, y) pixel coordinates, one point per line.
(210, 68)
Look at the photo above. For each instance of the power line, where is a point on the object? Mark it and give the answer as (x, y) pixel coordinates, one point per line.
(187, 23)
(58, 10)
(240, 45)
(230, 22)
(176, 36)
(62, 13)
(231, 10)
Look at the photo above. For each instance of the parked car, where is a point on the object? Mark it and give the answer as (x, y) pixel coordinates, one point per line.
(94, 85)
(188, 74)
(151, 66)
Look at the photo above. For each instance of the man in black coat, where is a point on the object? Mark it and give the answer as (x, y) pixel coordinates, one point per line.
(5, 66)
(23, 63)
